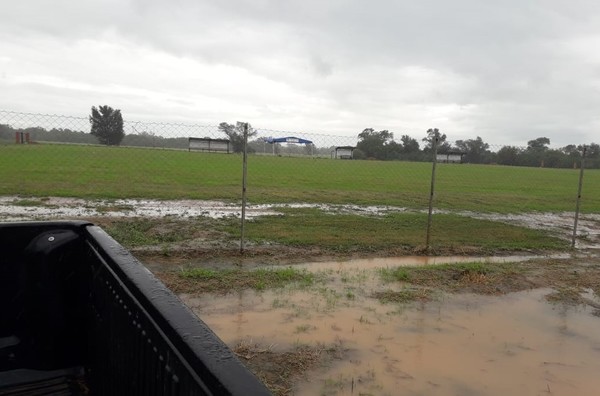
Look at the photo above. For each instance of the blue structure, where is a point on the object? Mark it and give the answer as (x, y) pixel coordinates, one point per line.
(289, 139)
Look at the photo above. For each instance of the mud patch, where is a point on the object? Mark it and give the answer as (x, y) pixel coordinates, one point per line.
(280, 370)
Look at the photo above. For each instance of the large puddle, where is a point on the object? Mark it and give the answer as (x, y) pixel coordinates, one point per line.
(456, 345)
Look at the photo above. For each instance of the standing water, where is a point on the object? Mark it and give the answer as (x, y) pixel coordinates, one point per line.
(456, 345)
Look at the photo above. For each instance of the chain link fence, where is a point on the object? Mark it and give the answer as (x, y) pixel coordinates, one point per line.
(47, 155)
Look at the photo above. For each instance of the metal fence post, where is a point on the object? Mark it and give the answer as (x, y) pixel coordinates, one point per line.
(429, 218)
(578, 197)
(244, 173)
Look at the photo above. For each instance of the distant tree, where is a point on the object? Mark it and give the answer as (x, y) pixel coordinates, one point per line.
(571, 155)
(433, 134)
(235, 133)
(592, 155)
(508, 155)
(536, 153)
(107, 125)
(592, 150)
(358, 154)
(409, 145)
(476, 150)
(539, 144)
(570, 150)
(375, 144)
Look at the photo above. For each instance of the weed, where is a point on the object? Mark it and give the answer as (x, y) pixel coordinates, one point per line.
(405, 295)
(398, 274)
(27, 202)
(303, 328)
(144, 232)
(566, 295)
(476, 276)
(114, 208)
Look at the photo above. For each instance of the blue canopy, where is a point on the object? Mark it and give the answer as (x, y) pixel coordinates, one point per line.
(289, 139)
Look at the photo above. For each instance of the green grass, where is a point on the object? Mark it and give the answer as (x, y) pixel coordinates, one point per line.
(119, 172)
(406, 295)
(28, 202)
(407, 274)
(496, 278)
(147, 232)
(209, 280)
(342, 232)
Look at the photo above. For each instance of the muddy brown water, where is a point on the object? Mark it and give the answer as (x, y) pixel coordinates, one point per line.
(456, 345)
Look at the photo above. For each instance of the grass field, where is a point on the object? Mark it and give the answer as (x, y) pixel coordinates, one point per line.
(119, 172)
(400, 230)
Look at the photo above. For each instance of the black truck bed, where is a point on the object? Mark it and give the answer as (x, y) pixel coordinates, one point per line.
(63, 382)
(80, 315)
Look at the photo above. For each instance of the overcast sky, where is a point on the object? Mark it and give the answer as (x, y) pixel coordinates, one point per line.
(508, 71)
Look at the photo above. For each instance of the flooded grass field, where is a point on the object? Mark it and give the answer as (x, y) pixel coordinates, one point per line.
(348, 340)
(315, 320)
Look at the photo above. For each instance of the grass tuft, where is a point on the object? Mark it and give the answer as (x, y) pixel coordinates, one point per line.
(208, 280)
(405, 295)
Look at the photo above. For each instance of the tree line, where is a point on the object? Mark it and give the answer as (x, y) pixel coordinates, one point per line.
(106, 127)
(381, 145)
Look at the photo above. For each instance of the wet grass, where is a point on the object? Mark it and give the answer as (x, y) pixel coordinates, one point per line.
(406, 295)
(114, 208)
(209, 280)
(135, 232)
(343, 232)
(305, 232)
(279, 371)
(477, 277)
(121, 172)
(566, 295)
(27, 202)
(568, 280)
(408, 274)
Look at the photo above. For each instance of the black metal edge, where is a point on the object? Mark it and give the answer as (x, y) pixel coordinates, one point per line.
(204, 352)
(48, 225)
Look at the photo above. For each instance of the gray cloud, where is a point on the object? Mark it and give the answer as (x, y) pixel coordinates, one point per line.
(507, 71)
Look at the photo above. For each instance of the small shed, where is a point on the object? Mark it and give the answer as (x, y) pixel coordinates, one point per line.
(344, 152)
(209, 145)
(450, 158)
